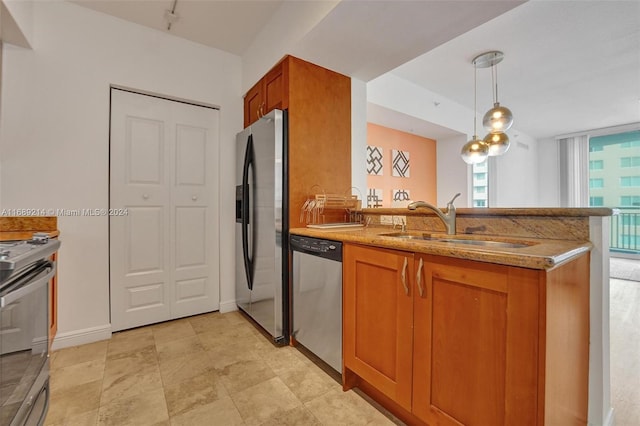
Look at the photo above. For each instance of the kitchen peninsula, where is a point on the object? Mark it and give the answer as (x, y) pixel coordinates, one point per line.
(489, 326)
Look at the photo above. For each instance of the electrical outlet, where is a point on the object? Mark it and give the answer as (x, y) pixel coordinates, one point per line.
(399, 220)
(386, 220)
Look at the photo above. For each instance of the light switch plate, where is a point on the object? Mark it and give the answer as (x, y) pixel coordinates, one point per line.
(386, 220)
(399, 220)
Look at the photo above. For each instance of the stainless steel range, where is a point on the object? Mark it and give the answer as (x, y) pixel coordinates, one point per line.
(25, 272)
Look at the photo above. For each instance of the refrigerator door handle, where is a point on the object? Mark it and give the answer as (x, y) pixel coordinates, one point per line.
(246, 210)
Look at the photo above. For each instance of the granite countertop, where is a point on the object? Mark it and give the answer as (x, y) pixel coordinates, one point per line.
(24, 235)
(23, 227)
(503, 211)
(539, 253)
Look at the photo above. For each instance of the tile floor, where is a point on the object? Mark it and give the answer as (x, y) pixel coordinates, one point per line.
(211, 369)
(217, 369)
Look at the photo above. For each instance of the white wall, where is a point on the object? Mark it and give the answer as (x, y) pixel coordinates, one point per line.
(454, 175)
(359, 138)
(600, 409)
(1, 46)
(408, 98)
(54, 137)
(16, 22)
(281, 36)
(515, 174)
(514, 177)
(549, 173)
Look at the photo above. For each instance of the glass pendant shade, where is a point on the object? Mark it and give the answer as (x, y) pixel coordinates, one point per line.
(498, 119)
(475, 151)
(498, 143)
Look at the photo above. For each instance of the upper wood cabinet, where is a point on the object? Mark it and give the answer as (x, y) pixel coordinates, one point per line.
(318, 103)
(267, 94)
(253, 104)
(448, 341)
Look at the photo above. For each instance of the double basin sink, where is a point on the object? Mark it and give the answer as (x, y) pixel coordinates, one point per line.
(452, 239)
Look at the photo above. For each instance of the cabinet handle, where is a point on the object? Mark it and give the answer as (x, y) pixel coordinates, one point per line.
(419, 278)
(404, 276)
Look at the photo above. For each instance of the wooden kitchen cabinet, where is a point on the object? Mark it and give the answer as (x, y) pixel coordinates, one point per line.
(486, 343)
(318, 105)
(475, 344)
(377, 320)
(267, 94)
(253, 104)
(53, 302)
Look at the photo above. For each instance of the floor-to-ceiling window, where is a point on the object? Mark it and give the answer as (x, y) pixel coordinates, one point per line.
(614, 181)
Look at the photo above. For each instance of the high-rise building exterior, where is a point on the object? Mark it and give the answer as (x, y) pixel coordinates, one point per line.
(480, 185)
(614, 181)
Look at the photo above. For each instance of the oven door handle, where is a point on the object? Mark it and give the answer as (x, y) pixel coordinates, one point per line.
(30, 286)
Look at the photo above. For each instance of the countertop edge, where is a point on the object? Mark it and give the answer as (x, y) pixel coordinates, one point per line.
(551, 253)
(24, 235)
(516, 211)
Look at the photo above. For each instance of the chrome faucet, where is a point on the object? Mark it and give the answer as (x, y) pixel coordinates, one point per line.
(449, 218)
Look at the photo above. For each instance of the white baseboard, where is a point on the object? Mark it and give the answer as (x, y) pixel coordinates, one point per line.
(228, 306)
(103, 332)
(81, 337)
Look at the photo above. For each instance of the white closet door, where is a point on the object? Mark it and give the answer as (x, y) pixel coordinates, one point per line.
(195, 212)
(163, 252)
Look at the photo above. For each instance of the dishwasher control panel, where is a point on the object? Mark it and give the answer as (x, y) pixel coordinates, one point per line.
(324, 248)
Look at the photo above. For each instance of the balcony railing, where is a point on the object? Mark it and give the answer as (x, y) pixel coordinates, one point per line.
(625, 230)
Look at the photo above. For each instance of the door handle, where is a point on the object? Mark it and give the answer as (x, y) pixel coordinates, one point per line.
(419, 278)
(27, 287)
(404, 276)
(194, 198)
(246, 211)
(145, 196)
(259, 112)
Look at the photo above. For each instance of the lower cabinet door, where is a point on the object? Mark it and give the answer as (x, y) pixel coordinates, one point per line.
(468, 356)
(378, 316)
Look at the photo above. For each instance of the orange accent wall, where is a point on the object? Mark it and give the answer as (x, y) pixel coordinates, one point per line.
(421, 182)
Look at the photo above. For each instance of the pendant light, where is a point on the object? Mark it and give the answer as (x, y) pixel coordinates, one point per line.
(498, 143)
(476, 150)
(498, 119)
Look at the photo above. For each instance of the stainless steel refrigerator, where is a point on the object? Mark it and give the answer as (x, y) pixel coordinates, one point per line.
(262, 224)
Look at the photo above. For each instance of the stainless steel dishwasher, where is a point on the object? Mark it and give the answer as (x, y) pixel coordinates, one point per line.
(317, 297)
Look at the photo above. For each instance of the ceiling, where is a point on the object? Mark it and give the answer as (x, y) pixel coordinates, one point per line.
(569, 65)
(226, 25)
